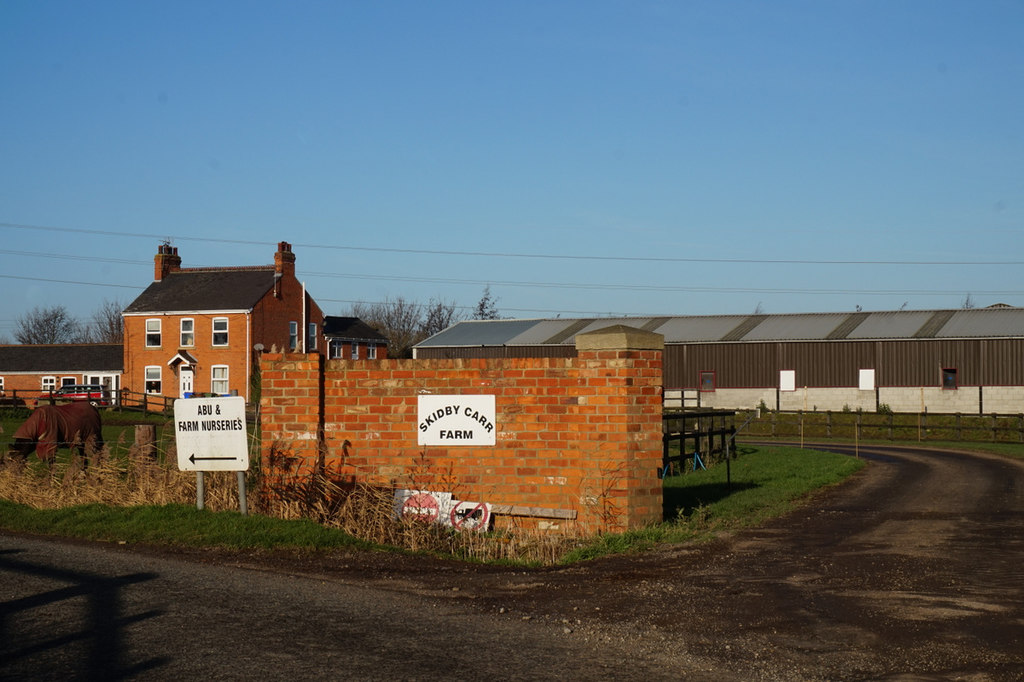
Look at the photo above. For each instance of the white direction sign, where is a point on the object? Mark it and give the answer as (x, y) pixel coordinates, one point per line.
(456, 420)
(210, 434)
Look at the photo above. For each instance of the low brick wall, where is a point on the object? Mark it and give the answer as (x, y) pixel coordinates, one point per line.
(580, 436)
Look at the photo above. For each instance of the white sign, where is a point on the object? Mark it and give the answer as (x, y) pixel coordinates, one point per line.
(210, 434)
(456, 420)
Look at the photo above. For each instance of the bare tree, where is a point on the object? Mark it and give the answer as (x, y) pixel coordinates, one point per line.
(48, 325)
(437, 317)
(968, 303)
(397, 319)
(107, 324)
(406, 323)
(486, 307)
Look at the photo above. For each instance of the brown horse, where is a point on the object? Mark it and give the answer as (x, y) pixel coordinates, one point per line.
(75, 425)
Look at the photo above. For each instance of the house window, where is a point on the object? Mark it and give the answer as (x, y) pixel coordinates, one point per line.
(188, 336)
(371, 351)
(311, 337)
(68, 381)
(219, 379)
(220, 331)
(49, 383)
(707, 381)
(1, 385)
(355, 350)
(153, 379)
(335, 349)
(152, 333)
(293, 335)
(949, 378)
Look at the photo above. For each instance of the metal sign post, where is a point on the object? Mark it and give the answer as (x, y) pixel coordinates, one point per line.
(210, 434)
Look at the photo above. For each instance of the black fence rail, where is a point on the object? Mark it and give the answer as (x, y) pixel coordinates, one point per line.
(902, 426)
(697, 436)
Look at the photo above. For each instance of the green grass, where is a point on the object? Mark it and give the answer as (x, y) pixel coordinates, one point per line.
(174, 525)
(765, 482)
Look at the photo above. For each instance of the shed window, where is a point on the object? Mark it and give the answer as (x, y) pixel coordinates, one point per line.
(707, 381)
(787, 380)
(949, 378)
(866, 380)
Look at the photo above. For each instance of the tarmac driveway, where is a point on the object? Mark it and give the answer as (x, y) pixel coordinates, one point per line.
(910, 570)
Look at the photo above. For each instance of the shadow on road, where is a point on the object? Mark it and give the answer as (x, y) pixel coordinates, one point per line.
(74, 630)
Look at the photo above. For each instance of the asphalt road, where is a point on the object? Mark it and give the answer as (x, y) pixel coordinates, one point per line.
(914, 569)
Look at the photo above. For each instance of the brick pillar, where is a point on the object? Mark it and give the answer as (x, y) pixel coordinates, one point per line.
(621, 377)
(291, 412)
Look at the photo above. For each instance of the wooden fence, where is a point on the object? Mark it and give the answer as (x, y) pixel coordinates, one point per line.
(924, 426)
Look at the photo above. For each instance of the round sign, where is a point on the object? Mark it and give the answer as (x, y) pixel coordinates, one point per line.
(471, 516)
(421, 506)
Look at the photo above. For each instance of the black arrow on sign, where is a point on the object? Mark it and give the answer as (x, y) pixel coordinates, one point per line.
(193, 458)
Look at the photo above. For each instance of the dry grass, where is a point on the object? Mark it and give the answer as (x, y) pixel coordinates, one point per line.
(125, 475)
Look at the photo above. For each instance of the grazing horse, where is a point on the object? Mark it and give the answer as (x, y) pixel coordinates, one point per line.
(75, 425)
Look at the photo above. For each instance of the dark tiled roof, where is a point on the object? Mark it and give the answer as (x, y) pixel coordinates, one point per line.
(350, 328)
(85, 357)
(213, 289)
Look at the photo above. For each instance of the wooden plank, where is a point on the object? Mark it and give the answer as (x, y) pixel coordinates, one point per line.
(539, 512)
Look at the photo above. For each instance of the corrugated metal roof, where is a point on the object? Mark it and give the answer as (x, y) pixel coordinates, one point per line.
(900, 324)
(796, 327)
(896, 324)
(980, 322)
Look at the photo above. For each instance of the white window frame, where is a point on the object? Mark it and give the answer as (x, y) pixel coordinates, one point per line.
(355, 350)
(293, 335)
(371, 351)
(311, 336)
(159, 371)
(335, 349)
(215, 331)
(48, 383)
(1, 385)
(154, 331)
(215, 380)
(191, 333)
(68, 381)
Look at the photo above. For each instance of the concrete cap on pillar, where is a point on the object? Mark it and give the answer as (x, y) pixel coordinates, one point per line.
(620, 337)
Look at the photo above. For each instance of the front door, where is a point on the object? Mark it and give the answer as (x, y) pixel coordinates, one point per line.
(185, 376)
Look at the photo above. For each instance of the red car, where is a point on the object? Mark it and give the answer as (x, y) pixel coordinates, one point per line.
(95, 394)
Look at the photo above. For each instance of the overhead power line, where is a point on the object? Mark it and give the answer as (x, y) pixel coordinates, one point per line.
(545, 256)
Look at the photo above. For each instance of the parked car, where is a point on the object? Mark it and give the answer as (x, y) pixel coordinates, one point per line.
(94, 393)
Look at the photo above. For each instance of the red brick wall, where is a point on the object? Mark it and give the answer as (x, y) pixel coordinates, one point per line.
(575, 434)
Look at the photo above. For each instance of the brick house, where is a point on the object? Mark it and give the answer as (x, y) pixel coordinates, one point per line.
(349, 338)
(201, 330)
(27, 371)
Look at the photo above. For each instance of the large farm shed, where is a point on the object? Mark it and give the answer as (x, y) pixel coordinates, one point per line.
(967, 361)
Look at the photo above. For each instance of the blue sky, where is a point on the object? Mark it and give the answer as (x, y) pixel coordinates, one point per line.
(580, 158)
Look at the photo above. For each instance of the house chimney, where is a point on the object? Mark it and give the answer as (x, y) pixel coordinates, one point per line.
(166, 261)
(284, 260)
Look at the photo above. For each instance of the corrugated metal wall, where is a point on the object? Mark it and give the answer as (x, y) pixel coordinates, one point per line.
(821, 364)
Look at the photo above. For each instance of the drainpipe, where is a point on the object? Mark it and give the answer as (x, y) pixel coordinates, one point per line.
(304, 331)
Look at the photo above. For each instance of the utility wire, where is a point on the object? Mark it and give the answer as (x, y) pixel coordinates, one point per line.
(495, 254)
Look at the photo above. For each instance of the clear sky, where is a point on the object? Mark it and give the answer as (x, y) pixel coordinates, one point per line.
(579, 157)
